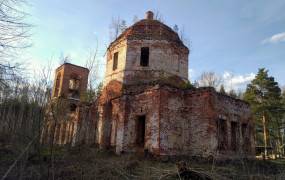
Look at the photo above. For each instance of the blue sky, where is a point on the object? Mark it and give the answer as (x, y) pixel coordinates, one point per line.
(231, 38)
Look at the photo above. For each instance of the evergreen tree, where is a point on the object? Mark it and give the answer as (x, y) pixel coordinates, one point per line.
(264, 96)
(283, 120)
(283, 98)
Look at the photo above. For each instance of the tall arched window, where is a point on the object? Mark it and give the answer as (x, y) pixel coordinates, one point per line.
(57, 83)
(74, 86)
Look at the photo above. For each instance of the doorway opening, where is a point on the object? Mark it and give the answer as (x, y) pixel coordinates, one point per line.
(234, 139)
(222, 134)
(140, 129)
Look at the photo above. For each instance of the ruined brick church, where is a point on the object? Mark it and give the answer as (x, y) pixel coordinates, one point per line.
(146, 104)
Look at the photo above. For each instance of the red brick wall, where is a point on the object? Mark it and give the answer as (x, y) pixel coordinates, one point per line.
(178, 122)
(67, 70)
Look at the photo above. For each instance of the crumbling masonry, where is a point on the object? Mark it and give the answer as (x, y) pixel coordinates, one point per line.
(146, 104)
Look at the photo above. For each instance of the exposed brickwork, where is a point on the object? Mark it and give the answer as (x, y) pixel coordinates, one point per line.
(167, 54)
(65, 72)
(178, 122)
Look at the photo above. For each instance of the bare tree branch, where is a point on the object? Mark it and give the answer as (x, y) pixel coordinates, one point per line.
(210, 79)
(14, 32)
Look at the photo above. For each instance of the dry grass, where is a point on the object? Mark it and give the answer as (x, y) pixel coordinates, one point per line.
(91, 163)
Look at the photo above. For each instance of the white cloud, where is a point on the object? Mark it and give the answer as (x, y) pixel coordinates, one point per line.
(237, 82)
(191, 73)
(276, 38)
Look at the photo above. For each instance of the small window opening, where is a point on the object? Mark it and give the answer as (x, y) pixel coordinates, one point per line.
(234, 136)
(72, 107)
(74, 86)
(140, 129)
(144, 56)
(222, 134)
(115, 61)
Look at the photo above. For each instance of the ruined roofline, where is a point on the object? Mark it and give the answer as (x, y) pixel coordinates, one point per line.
(156, 87)
(220, 94)
(204, 89)
(71, 65)
(230, 97)
(134, 89)
(192, 90)
(128, 32)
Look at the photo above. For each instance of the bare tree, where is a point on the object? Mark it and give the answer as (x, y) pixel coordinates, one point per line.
(233, 93)
(92, 63)
(63, 58)
(183, 36)
(158, 16)
(8, 73)
(22, 111)
(116, 27)
(176, 28)
(42, 84)
(222, 89)
(196, 84)
(13, 30)
(135, 19)
(14, 33)
(123, 26)
(210, 79)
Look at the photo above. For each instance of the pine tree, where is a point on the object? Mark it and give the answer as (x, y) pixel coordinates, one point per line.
(283, 97)
(283, 119)
(264, 96)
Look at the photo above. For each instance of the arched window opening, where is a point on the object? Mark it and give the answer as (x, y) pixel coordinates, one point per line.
(57, 83)
(74, 85)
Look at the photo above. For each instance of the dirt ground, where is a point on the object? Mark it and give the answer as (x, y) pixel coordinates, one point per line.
(91, 163)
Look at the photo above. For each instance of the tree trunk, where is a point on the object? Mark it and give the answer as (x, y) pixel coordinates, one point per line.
(264, 134)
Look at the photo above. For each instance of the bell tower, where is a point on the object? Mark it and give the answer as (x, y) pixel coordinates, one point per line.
(70, 81)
